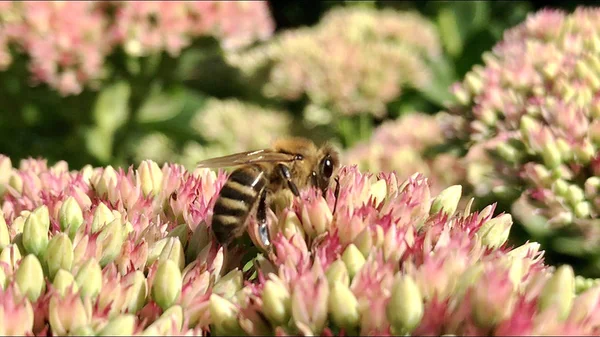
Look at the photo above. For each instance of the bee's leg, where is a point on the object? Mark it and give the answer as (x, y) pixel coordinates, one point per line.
(287, 176)
(261, 218)
(336, 193)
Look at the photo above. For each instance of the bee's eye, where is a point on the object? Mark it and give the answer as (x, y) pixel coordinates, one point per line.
(327, 167)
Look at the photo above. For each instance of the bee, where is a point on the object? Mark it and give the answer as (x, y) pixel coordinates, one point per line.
(291, 164)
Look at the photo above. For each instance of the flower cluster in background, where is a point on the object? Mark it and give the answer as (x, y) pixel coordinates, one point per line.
(105, 251)
(533, 107)
(400, 145)
(356, 60)
(67, 43)
(227, 126)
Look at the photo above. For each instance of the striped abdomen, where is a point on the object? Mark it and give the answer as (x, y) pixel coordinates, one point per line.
(236, 200)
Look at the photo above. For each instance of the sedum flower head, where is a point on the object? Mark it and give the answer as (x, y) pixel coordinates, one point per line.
(394, 258)
(67, 44)
(354, 61)
(400, 145)
(530, 118)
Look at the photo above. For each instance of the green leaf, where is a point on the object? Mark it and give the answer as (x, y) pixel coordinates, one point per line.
(443, 76)
(111, 108)
(458, 20)
(161, 105)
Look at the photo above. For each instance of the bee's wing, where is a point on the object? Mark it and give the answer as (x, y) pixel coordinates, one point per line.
(246, 158)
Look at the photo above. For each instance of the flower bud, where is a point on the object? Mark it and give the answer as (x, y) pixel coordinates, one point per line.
(558, 292)
(59, 254)
(63, 281)
(107, 181)
(35, 231)
(276, 302)
(224, 316)
(290, 225)
(551, 155)
(151, 177)
(574, 195)
(16, 314)
(229, 284)
(447, 200)
(11, 256)
(584, 304)
(89, 278)
(405, 309)
(70, 216)
(378, 191)
(173, 251)
(111, 239)
(353, 259)
(122, 325)
(84, 331)
(181, 232)
(5, 173)
(69, 313)
(316, 216)
(4, 234)
(30, 277)
(171, 319)
(494, 232)
(337, 272)
(343, 306)
(137, 291)
(166, 286)
(364, 241)
(15, 181)
(310, 297)
(102, 216)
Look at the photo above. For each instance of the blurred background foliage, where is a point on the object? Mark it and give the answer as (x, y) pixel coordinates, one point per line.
(116, 82)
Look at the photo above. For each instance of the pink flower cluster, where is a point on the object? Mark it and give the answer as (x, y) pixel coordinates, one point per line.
(67, 43)
(105, 251)
(400, 146)
(355, 61)
(529, 117)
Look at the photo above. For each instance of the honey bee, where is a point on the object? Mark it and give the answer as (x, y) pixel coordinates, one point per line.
(291, 164)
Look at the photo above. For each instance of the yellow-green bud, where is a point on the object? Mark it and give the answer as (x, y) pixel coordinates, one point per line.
(276, 302)
(151, 177)
(353, 259)
(291, 225)
(15, 181)
(63, 280)
(494, 232)
(35, 231)
(181, 232)
(166, 286)
(59, 254)
(156, 249)
(30, 277)
(70, 216)
(558, 292)
(107, 181)
(378, 191)
(164, 324)
(405, 309)
(83, 331)
(136, 292)
(551, 155)
(574, 194)
(173, 250)
(229, 284)
(4, 234)
(337, 272)
(447, 200)
(89, 278)
(68, 315)
(111, 239)
(343, 306)
(122, 325)
(364, 242)
(5, 173)
(10, 255)
(582, 209)
(102, 216)
(224, 316)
